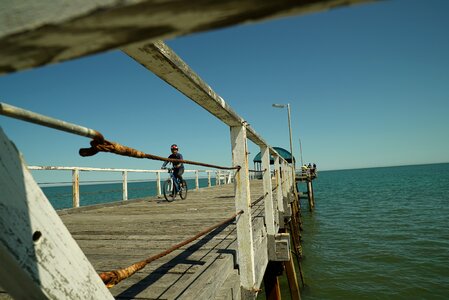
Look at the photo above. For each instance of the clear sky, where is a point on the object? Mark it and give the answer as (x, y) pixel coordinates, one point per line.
(368, 86)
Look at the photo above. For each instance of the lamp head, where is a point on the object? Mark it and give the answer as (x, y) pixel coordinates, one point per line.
(279, 105)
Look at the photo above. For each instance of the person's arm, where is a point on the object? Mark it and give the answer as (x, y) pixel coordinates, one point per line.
(165, 163)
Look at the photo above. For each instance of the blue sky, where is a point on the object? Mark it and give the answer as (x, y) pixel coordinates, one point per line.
(368, 86)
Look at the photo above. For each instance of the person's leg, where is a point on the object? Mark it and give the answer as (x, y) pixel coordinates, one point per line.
(178, 174)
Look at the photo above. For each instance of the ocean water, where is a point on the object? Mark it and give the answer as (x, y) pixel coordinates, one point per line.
(61, 196)
(380, 233)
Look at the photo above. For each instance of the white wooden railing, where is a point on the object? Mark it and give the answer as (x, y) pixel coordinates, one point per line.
(19, 191)
(221, 177)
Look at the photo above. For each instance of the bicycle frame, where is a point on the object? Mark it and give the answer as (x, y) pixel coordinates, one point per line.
(176, 183)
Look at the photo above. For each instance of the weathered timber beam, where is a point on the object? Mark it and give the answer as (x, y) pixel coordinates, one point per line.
(39, 258)
(36, 33)
(162, 61)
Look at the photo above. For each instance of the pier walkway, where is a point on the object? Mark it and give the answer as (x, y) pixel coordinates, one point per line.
(115, 236)
(57, 255)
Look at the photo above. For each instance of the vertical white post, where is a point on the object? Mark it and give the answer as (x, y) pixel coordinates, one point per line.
(284, 179)
(39, 258)
(208, 179)
(267, 190)
(243, 202)
(218, 181)
(75, 188)
(158, 183)
(197, 181)
(125, 185)
(279, 196)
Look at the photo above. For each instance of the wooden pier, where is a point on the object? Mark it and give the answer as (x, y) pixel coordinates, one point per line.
(57, 255)
(115, 236)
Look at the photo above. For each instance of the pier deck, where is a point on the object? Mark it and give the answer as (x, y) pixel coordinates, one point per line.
(115, 236)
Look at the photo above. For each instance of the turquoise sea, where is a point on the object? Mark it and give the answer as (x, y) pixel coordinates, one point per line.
(61, 196)
(380, 233)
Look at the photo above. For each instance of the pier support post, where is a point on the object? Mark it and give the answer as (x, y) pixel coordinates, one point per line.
(310, 195)
(292, 279)
(271, 281)
(245, 243)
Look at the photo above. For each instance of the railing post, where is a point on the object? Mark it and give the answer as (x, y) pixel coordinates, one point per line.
(75, 188)
(208, 179)
(285, 188)
(158, 183)
(125, 185)
(243, 202)
(39, 257)
(197, 181)
(270, 219)
(279, 196)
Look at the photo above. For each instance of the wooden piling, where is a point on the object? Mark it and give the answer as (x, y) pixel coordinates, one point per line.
(271, 281)
(292, 279)
(310, 195)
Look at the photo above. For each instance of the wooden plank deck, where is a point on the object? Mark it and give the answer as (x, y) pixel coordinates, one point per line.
(115, 236)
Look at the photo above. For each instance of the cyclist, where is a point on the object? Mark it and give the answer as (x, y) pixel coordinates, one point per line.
(178, 168)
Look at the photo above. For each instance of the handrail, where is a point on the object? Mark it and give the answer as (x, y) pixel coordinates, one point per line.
(76, 174)
(162, 61)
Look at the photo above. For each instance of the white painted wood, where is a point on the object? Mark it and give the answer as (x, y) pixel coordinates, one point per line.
(284, 179)
(34, 33)
(59, 168)
(125, 185)
(285, 189)
(197, 181)
(162, 61)
(76, 174)
(230, 176)
(208, 180)
(217, 176)
(243, 202)
(260, 250)
(267, 190)
(39, 258)
(158, 183)
(279, 197)
(75, 188)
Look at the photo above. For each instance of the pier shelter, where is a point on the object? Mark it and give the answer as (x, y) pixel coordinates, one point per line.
(282, 152)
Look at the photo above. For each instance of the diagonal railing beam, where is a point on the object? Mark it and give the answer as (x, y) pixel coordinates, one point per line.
(165, 63)
(36, 33)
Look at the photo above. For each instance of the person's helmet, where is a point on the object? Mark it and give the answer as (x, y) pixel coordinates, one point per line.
(174, 147)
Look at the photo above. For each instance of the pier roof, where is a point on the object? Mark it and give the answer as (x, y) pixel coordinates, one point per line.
(282, 152)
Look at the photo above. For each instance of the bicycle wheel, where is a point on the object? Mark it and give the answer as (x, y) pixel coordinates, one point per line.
(183, 191)
(168, 190)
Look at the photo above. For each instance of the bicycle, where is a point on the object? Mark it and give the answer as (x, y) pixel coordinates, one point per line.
(172, 187)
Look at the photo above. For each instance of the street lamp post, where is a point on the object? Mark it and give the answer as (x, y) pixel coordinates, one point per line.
(289, 129)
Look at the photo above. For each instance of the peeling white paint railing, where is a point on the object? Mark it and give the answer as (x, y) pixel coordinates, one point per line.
(255, 248)
(220, 176)
(162, 61)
